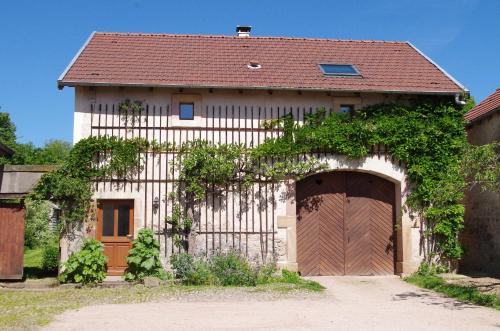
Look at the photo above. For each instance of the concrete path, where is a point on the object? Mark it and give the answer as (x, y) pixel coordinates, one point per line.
(351, 303)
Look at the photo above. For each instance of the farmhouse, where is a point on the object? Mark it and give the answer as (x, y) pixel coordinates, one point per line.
(222, 89)
(481, 236)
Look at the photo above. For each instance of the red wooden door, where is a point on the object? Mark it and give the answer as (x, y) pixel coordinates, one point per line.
(11, 241)
(115, 226)
(345, 224)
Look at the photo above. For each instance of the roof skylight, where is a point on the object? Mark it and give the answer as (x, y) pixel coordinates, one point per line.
(339, 69)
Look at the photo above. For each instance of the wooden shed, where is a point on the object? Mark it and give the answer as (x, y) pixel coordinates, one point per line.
(15, 182)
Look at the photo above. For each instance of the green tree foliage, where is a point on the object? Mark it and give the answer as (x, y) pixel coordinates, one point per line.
(53, 152)
(69, 186)
(144, 258)
(37, 232)
(7, 130)
(86, 266)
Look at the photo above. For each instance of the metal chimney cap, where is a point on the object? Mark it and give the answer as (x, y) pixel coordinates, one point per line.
(243, 30)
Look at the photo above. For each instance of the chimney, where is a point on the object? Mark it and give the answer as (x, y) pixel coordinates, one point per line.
(243, 31)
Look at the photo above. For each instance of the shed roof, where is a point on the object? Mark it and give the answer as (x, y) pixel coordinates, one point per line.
(138, 59)
(485, 107)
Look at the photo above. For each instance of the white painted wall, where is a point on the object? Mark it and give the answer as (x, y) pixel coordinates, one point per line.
(226, 109)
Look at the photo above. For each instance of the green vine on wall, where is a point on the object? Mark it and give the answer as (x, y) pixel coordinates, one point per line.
(429, 138)
(70, 186)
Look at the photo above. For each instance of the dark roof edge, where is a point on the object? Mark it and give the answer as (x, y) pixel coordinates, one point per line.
(6, 149)
(465, 89)
(62, 83)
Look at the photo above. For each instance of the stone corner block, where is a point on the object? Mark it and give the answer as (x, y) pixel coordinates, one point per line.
(286, 222)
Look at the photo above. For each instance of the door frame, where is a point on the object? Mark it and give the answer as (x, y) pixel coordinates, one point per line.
(115, 239)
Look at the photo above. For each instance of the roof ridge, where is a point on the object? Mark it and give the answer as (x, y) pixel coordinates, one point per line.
(209, 36)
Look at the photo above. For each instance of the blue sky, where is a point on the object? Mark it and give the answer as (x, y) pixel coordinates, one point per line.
(39, 38)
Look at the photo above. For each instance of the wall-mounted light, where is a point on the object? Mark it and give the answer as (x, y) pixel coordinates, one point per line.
(156, 204)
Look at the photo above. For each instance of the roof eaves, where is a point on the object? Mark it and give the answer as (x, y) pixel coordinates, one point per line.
(250, 87)
(482, 116)
(439, 68)
(6, 150)
(61, 77)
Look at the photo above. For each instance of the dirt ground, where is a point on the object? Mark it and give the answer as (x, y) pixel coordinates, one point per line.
(350, 303)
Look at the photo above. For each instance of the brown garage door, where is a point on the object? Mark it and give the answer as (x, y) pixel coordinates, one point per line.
(11, 241)
(345, 224)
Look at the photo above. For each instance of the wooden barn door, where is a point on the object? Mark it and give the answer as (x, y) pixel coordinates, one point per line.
(115, 227)
(369, 225)
(11, 241)
(320, 224)
(345, 224)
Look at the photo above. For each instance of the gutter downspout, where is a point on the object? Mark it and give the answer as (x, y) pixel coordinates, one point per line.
(458, 101)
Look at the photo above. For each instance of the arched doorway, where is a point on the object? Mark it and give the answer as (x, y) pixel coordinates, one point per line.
(345, 224)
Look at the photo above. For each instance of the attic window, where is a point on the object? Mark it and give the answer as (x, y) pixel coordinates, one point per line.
(254, 65)
(339, 70)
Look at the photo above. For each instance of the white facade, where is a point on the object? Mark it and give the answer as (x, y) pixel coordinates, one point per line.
(264, 226)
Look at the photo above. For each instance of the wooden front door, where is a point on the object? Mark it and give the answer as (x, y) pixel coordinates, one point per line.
(115, 228)
(345, 224)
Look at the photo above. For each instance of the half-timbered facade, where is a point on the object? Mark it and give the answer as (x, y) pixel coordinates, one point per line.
(221, 89)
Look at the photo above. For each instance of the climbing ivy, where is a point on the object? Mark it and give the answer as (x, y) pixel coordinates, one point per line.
(70, 186)
(429, 138)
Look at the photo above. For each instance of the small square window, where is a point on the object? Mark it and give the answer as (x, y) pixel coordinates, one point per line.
(346, 109)
(186, 111)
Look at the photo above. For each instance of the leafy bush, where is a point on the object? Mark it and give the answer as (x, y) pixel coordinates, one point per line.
(266, 272)
(144, 258)
(232, 269)
(50, 257)
(88, 265)
(191, 270)
(37, 232)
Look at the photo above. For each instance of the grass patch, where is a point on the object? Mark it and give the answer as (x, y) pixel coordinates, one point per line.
(462, 293)
(33, 264)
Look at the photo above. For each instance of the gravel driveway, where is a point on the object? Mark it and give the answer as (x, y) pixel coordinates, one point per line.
(351, 303)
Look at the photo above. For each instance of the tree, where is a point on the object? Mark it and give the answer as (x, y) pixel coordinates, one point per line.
(54, 151)
(7, 130)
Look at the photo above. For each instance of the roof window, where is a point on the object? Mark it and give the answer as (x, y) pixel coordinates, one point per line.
(339, 70)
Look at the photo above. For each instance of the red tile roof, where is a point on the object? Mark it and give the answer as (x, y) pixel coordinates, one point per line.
(488, 105)
(221, 61)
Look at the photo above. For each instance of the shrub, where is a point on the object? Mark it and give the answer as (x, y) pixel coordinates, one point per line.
(232, 269)
(37, 231)
(50, 257)
(266, 273)
(290, 277)
(88, 265)
(144, 258)
(192, 271)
